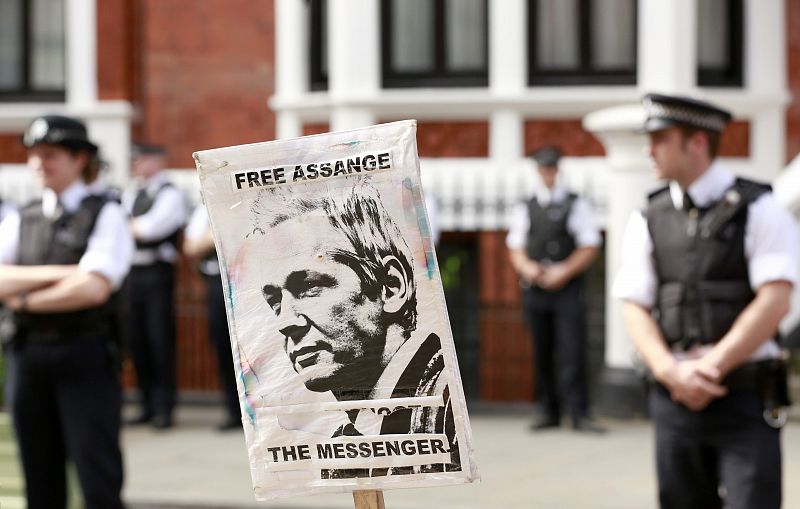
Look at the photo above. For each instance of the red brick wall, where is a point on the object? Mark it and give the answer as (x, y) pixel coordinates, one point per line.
(793, 70)
(453, 139)
(735, 141)
(569, 135)
(115, 32)
(309, 129)
(206, 72)
(11, 149)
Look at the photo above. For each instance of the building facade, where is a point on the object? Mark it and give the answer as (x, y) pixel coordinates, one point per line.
(488, 81)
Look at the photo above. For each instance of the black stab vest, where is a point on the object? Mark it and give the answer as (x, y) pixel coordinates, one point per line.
(700, 262)
(141, 205)
(60, 241)
(548, 236)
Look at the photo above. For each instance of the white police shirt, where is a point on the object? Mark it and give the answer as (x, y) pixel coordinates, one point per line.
(580, 222)
(771, 244)
(197, 227)
(167, 215)
(6, 209)
(110, 247)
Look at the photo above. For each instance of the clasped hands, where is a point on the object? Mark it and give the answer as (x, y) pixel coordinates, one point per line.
(549, 277)
(695, 383)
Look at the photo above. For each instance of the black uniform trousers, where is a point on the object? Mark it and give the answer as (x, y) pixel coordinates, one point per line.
(151, 330)
(65, 400)
(558, 324)
(726, 455)
(220, 339)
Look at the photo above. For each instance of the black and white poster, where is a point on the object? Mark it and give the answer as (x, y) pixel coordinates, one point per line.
(343, 352)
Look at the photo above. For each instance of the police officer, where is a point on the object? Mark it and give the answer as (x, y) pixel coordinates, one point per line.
(552, 241)
(707, 274)
(158, 213)
(61, 258)
(198, 243)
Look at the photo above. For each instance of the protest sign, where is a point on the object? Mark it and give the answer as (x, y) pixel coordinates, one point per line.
(342, 347)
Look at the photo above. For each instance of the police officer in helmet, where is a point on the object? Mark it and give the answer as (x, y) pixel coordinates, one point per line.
(707, 274)
(62, 256)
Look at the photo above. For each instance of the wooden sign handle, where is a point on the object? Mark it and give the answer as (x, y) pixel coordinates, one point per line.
(368, 499)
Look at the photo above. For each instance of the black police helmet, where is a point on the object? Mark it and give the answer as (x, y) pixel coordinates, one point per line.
(58, 130)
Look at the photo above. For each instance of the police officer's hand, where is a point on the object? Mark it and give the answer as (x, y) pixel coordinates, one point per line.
(531, 273)
(554, 277)
(694, 383)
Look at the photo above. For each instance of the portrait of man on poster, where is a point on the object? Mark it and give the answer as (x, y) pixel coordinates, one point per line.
(342, 295)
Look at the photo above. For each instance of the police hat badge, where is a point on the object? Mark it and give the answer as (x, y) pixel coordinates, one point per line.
(58, 130)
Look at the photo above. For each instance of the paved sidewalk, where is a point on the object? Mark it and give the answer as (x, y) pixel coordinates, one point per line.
(193, 466)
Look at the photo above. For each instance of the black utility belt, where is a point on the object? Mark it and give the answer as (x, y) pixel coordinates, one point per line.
(753, 375)
(156, 265)
(770, 380)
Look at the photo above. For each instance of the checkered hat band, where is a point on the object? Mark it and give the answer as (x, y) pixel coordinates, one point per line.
(689, 116)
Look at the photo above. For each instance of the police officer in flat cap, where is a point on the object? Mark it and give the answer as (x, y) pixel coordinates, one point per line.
(551, 242)
(158, 213)
(62, 256)
(707, 274)
(198, 245)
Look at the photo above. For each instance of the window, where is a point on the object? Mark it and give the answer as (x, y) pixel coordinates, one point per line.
(581, 42)
(32, 50)
(434, 43)
(719, 43)
(319, 45)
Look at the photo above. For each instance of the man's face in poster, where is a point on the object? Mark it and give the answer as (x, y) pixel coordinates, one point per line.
(332, 331)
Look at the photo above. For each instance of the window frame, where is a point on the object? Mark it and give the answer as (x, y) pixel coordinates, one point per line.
(584, 74)
(25, 92)
(732, 75)
(318, 79)
(440, 76)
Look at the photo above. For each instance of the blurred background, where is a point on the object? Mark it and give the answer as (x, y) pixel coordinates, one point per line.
(488, 81)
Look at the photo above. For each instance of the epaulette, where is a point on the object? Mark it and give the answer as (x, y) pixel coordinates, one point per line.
(31, 205)
(654, 194)
(751, 190)
(571, 197)
(740, 195)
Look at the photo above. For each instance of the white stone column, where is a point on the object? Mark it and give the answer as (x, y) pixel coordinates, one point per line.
(629, 181)
(506, 135)
(112, 133)
(765, 46)
(667, 52)
(354, 72)
(767, 143)
(81, 52)
(508, 45)
(288, 124)
(765, 76)
(507, 75)
(291, 61)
